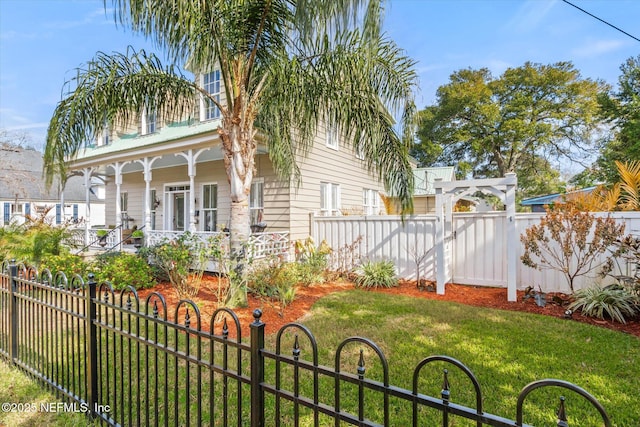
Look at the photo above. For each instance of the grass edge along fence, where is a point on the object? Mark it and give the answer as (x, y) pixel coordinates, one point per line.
(124, 361)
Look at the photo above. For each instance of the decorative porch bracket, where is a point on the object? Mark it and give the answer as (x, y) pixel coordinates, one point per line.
(447, 194)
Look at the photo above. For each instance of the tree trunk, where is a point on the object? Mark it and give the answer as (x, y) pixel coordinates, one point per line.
(238, 245)
(239, 152)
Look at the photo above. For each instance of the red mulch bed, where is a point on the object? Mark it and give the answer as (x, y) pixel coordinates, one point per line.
(274, 317)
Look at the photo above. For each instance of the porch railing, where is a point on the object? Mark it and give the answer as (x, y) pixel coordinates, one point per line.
(262, 245)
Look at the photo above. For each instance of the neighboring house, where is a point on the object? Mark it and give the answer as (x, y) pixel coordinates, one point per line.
(170, 177)
(23, 192)
(537, 204)
(424, 193)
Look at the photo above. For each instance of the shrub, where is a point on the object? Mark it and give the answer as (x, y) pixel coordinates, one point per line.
(32, 240)
(628, 251)
(68, 263)
(174, 258)
(344, 261)
(312, 269)
(272, 280)
(570, 241)
(123, 269)
(376, 274)
(614, 301)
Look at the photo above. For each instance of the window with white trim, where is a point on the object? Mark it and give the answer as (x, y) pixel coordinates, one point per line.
(360, 149)
(149, 121)
(104, 137)
(370, 202)
(209, 207)
(331, 135)
(329, 199)
(211, 82)
(256, 201)
(124, 201)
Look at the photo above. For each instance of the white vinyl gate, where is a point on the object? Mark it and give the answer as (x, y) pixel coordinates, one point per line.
(479, 249)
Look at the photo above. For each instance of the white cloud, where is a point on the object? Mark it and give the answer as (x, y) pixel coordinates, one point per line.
(16, 35)
(497, 66)
(42, 125)
(598, 47)
(529, 15)
(93, 17)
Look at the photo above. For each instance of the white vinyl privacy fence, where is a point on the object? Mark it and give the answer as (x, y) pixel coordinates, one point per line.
(475, 248)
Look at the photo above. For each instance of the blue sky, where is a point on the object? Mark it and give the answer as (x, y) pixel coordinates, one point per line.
(43, 41)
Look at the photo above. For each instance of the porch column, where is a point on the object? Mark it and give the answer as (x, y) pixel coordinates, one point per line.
(61, 202)
(147, 163)
(87, 202)
(191, 170)
(512, 236)
(117, 167)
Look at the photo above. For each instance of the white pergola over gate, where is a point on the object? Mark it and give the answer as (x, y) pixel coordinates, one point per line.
(447, 194)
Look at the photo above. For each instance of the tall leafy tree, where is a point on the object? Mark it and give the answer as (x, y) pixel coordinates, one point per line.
(286, 66)
(518, 122)
(622, 111)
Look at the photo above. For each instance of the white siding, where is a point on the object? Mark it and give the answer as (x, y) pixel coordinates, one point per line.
(323, 164)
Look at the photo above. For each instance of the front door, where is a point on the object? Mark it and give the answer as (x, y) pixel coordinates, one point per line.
(178, 211)
(176, 207)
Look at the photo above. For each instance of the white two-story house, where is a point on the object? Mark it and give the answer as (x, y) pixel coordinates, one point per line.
(170, 178)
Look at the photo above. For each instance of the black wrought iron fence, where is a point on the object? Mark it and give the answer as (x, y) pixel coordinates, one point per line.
(130, 361)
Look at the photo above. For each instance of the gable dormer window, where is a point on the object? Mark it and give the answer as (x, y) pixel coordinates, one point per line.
(332, 136)
(149, 121)
(359, 149)
(104, 137)
(211, 83)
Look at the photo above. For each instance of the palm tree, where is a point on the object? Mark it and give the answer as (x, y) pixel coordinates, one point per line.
(286, 67)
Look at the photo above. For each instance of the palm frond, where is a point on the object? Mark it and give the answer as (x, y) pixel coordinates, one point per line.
(630, 184)
(112, 89)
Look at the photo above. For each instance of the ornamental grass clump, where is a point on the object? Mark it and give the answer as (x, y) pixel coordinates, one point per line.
(374, 274)
(613, 301)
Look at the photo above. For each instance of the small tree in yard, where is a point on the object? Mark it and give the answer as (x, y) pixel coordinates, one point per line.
(570, 241)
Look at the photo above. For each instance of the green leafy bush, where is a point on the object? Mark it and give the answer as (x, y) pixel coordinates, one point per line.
(376, 274)
(32, 241)
(68, 263)
(174, 259)
(123, 269)
(614, 301)
(272, 280)
(312, 269)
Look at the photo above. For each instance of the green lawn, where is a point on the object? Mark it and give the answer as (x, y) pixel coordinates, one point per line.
(505, 350)
(30, 404)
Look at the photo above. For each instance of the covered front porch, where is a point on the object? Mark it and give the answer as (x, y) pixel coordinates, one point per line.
(168, 183)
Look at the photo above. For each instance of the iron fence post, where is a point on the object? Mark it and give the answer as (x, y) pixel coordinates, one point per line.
(257, 370)
(13, 313)
(91, 345)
